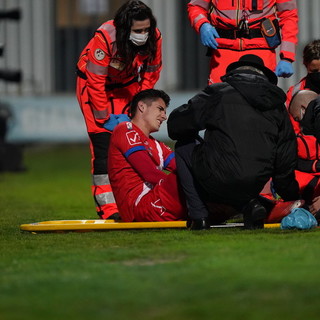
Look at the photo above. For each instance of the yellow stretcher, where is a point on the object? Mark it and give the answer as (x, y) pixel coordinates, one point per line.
(96, 225)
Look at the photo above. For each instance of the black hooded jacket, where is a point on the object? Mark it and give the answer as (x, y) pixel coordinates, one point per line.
(248, 138)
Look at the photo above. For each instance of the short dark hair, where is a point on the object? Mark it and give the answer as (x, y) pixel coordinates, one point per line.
(147, 96)
(311, 52)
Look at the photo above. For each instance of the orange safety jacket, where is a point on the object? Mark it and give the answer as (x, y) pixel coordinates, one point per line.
(308, 146)
(110, 84)
(301, 85)
(229, 14)
(308, 149)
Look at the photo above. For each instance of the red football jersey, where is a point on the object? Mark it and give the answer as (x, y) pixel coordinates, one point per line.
(127, 185)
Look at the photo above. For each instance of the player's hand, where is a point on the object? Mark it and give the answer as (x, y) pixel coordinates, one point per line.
(208, 35)
(284, 69)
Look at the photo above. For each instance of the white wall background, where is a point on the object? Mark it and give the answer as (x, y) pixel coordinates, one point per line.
(29, 44)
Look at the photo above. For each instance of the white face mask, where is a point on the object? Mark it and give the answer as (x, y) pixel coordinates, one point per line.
(139, 39)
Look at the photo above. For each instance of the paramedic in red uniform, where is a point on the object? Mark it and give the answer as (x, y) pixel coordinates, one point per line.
(311, 60)
(304, 110)
(123, 57)
(233, 28)
(143, 191)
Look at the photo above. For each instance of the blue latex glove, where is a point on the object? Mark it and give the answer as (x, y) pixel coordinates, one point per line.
(299, 218)
(208, 35)
(114, 120)
(122, 117)
(284, 69)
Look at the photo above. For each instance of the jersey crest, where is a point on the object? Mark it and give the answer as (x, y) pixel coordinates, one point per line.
(133, 137)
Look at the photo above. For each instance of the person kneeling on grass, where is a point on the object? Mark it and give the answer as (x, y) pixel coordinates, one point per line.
(142, 190)
(304, 110)
(248, 139)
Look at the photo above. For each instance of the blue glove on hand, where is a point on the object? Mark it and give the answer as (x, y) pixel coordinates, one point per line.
(284, 69)
(122, 117)
(114, 120)
(208, 35)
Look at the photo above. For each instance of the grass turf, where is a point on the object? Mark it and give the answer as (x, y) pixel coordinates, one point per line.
(140, 274)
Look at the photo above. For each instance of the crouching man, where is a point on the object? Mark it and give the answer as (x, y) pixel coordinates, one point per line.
(142, 190)
(248, 140)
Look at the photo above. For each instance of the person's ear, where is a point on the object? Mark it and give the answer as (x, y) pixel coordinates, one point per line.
(141, 106)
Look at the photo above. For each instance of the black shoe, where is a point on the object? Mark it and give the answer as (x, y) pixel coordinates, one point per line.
(198, 224)
(254, 214)
(115, 216)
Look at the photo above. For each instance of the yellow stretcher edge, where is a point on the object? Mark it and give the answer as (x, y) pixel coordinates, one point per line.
(74, 225)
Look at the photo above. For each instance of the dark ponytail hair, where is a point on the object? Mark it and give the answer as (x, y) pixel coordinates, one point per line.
(123, 20)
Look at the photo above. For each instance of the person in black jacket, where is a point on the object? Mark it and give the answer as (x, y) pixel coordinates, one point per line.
(248, 139)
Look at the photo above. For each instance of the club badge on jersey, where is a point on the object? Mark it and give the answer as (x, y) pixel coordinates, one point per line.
(99, 54)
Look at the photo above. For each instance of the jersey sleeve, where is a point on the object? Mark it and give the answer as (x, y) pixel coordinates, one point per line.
(169, 160)
(145, 167)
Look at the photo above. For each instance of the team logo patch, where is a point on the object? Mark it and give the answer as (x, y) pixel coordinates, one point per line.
(133, 137)
(99, 54)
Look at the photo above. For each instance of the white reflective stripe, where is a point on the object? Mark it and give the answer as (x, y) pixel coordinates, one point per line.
(233, 14)
(288, 46)
(96, 69)
(290, 5)
(111, 30)
(100, 114)
(160, 153)
(152, 68)
(104, 198)
(145, 190)
(199, 17)
(201, 3)
(100, 179)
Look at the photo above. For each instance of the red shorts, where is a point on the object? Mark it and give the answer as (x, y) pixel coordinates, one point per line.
(164, 202)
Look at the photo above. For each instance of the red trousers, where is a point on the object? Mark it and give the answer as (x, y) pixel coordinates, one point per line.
(221, 58)
(163, 203)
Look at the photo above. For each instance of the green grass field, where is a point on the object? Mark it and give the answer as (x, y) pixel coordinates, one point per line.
(140, 274)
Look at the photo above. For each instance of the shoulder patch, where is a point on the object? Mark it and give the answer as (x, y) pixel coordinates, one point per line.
(99, 54)
(133, 137)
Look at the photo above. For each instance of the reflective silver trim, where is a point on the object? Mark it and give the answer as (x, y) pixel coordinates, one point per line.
(152, 68)
(201, 3)
(100, 179)
(288, 46)
(96, 69)
(100, 114)
(111, 31)
(105, 198)
(199, 17)
(286, 6)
